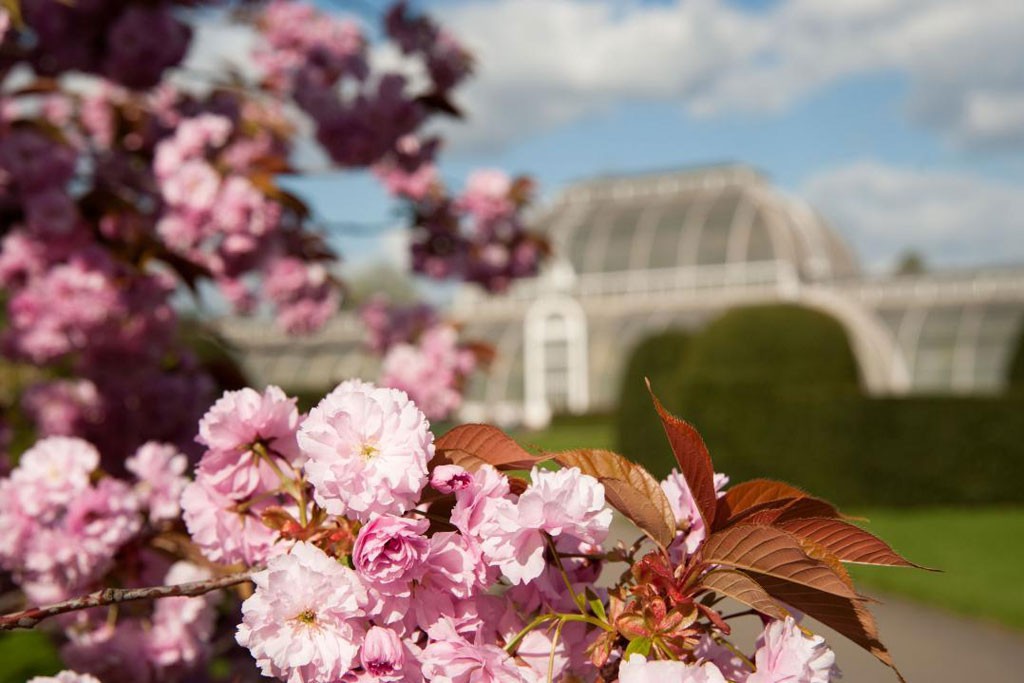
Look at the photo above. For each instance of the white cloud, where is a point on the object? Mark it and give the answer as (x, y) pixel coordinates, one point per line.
(954, 219)
(547, 62)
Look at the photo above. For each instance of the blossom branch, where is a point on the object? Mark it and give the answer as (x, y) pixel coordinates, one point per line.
(29, 618)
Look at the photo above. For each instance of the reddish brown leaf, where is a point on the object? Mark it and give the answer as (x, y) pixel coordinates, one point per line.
(629, 488)
(740, 587)
(752, 494)
(847, 617)
(847, 542)
(473, 445)
(777, 511)
(694, 460)
(771, 551)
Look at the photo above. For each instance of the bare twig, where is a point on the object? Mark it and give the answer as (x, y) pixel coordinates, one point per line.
(110, 596)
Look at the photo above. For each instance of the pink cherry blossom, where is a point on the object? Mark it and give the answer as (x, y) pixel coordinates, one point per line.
(222, 530)
(638, 670)
(242, 418)
(368, 449)
(685, 509)
(383, 654)
(566, 502)
(390, 552)
(487, 194)
(431, 373)
(476, 505)
(785, 655)
(457, 660)
(59, 531)
(160, 470)
(303, 622)
(450, 478)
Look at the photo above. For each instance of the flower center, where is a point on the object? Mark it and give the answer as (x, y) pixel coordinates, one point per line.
(368, 451)
(380, 667)
(306, 617)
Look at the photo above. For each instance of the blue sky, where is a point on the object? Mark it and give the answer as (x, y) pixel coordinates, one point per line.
(901, 120)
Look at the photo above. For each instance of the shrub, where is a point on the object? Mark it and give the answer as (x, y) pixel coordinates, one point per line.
(798, 415)
(659, 358)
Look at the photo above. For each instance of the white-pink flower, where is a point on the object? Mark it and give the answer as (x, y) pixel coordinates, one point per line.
(368, 449)
(242, 418)
(638, 670)
(223, 532)
(160, 470)
(304, 622)
(785, 655)
(56, 469)
(477, 503)
(564, 502)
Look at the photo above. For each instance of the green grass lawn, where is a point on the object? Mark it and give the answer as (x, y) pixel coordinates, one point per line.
(979, 550)
(568, 435)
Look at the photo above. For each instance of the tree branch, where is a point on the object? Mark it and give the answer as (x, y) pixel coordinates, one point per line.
(109, 596)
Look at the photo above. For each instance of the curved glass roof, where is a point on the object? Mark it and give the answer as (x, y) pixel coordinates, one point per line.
(712, 216)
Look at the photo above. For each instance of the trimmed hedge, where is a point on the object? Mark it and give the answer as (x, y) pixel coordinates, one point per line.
(1016, 372)
(772, 346)
(658, 358)
(814, 428)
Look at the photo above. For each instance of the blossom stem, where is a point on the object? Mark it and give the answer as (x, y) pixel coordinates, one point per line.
(29, 618)
(580, 604)
(554, 646)
(511, 646)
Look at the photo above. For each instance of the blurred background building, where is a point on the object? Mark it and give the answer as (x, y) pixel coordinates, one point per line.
(636, 255)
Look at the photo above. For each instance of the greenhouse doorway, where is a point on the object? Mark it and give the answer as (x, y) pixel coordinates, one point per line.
(555, 360)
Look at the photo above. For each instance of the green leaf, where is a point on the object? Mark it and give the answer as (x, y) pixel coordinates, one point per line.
(596, 605)
(637, 646)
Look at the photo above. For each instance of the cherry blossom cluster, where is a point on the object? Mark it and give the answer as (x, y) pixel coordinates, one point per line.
(478, 236)
(373, 554)
(131, 43)
(119, 192)
(422, 355)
